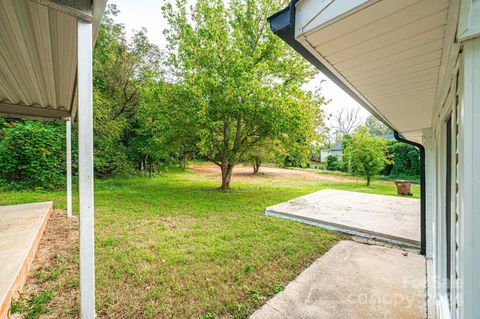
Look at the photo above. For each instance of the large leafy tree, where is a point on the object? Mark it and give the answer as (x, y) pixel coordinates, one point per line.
(366, 154)
(167, 123)
(240, 84)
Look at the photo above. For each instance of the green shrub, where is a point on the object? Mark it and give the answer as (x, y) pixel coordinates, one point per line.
(297, 156)
(406, 160)
(110, 158)
(32, 155)
(333, 164)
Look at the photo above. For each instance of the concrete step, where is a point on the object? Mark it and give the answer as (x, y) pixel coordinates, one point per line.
(21, 228)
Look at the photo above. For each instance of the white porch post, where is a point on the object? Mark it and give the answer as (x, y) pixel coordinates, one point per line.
(69, 166)
(85, 170)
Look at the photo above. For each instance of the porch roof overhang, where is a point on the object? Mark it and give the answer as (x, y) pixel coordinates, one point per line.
(38, 55)
(389, 55)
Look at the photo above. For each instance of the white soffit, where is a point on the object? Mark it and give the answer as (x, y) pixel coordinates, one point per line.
(387, 51)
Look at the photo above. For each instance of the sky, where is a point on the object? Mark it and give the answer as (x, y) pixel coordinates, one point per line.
(147, 13)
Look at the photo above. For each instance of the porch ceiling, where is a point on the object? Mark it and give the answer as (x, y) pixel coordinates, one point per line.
(38, 56)
(388, 52)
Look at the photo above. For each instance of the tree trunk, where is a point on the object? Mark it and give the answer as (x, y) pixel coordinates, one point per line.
(227, 170)
(368, 180)
(256, 166)
(148, 166)
(183, 160)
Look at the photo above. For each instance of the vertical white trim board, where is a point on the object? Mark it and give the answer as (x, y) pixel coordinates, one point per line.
(85, 171)
(68, 128)
(469, 234)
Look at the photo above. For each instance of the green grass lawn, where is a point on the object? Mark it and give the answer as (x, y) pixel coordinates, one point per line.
(173, 246)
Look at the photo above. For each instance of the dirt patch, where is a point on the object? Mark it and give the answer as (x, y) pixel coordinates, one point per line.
(53, 278)
(177, 222)
(242, 172)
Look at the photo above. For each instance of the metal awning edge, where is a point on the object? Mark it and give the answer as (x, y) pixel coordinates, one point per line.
(31, 112)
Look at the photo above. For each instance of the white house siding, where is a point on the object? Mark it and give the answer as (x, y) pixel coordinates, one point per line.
(436, 175)
(323, 156)
(462, 103)
(469, 181)
(458, 97)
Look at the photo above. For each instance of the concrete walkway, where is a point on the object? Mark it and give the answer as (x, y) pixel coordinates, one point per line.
(21, 228)
(354, 280)
(394, 219)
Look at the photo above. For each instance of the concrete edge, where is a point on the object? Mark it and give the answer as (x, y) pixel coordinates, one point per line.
(23, 272)
(346, 229)
(403, 197)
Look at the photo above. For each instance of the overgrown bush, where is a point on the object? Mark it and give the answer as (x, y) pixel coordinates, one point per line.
(405, 161)
(333, 164)
(405, 164)
(298, 155)
(32, 155)
(318, 165)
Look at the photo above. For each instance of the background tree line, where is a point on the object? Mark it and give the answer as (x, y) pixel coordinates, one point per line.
(226, 90)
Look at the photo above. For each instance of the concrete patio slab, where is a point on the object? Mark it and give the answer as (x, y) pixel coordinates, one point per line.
(394, 219)
(21, 228)
(354, 280)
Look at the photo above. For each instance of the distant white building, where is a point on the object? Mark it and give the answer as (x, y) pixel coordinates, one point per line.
(323, 156)
(336, 150)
